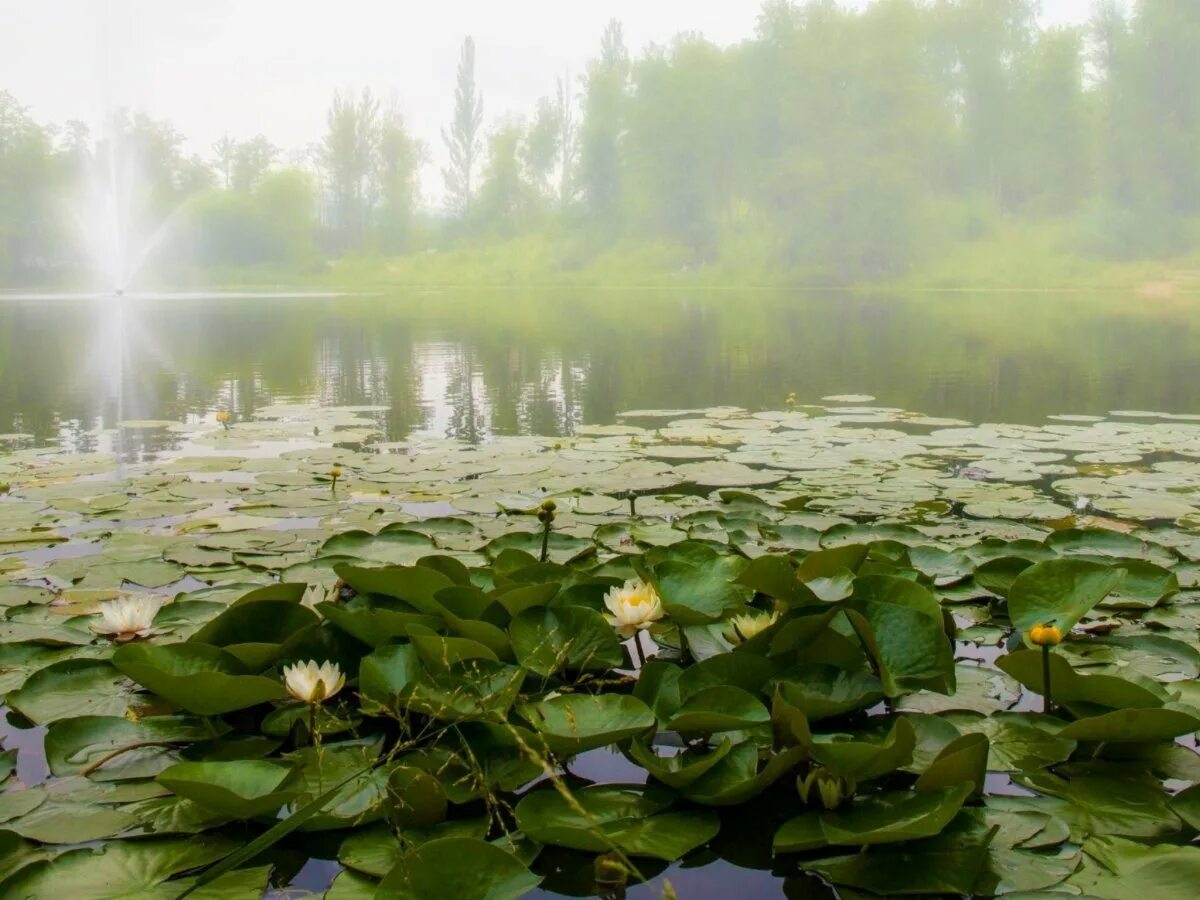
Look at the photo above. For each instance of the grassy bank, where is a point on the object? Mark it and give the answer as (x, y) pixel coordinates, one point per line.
(1043, 256)
(1010, 257)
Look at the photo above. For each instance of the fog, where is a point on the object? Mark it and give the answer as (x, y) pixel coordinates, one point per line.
(269, 67)
(835, 142)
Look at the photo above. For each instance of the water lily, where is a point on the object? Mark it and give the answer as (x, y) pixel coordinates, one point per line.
(223, 418)
(749, 625)
(635, 606)
(831, 790)
(128, 618)
(1045, 636)
(312, 683)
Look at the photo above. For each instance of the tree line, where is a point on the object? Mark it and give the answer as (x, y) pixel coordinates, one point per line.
(847, 144)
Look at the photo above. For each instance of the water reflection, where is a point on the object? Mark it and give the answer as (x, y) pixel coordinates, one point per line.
(472, 365)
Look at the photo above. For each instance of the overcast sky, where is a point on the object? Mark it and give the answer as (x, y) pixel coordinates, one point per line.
(269, 66)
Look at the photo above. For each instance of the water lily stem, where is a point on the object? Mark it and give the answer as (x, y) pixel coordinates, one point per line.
(88, 770)
(632, 505)
(1047, 701)
(545, 541)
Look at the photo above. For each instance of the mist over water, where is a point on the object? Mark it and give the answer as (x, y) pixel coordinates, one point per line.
(464, 364)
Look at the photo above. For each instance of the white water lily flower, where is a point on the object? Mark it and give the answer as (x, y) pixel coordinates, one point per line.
(128, 618)
(311, 683)
(744, 627)
(634, 606)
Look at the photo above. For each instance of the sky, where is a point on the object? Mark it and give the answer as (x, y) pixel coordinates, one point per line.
(246, 67)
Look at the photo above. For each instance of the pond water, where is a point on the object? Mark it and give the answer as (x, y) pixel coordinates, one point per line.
(478, 365)
(470, 364)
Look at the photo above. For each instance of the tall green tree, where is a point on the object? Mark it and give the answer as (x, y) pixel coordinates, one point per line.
(605, 96)
(502, 192)
(462, 140)
(397, 169)
(347, 158)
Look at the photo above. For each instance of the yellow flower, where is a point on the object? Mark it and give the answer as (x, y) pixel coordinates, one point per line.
(128, 618)
(831, 790)
(311, 683)
(1045, 636)
(223, 416)
(749, 625)
(634, 606)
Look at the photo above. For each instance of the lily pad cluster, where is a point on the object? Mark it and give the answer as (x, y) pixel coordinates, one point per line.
(838, 683)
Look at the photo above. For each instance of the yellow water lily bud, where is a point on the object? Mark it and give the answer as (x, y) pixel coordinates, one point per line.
(634, 607)
(1045, 636)
(310, 683)
(549, 505)
(831, 790)
(750, 625)
(223, 416)
(335, 473)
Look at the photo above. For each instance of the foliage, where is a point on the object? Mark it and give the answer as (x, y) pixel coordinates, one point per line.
(481, 671)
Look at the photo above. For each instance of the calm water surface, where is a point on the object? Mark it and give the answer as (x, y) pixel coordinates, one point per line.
(470, 364)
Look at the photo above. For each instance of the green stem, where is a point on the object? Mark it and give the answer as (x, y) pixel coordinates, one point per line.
(632, 505)
(1047, 701)
(545, 542)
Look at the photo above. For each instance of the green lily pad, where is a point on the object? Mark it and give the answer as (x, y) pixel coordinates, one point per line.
(199, 678)
(614, 816)
(465, 868)
(239, 789)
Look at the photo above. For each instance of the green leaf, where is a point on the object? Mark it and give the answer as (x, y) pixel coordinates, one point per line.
(239, 789)
(739, 777)
(1130, 691)
(121, 870)
(73, 745)
(1059, 592)
(701, 593)
(73, 687)
(1133, 725)
(824, 692)
(547, 641)
(883, 818)
(962, 761)
(861, 760)
(415, 798)
(1119, 869)
(680, 769)
(602, 817)
(463, 868)
(573, 723)
(204, 680)
(907, 634)
(719, 708)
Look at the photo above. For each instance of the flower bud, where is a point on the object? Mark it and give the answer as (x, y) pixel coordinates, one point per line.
(1045, 636)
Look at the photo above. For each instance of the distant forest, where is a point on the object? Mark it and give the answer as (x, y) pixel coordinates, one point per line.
(845, 144)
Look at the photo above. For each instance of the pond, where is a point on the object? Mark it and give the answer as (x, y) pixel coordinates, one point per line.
(851, 515)
(469, 364)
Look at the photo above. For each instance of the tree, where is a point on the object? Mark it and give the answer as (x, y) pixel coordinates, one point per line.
(224, 153)
(347, 157)
(251, 160)
(540, 149)
(603, 123)
(502, 192)
(463, 139)
(568, 141)
(398, 164)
